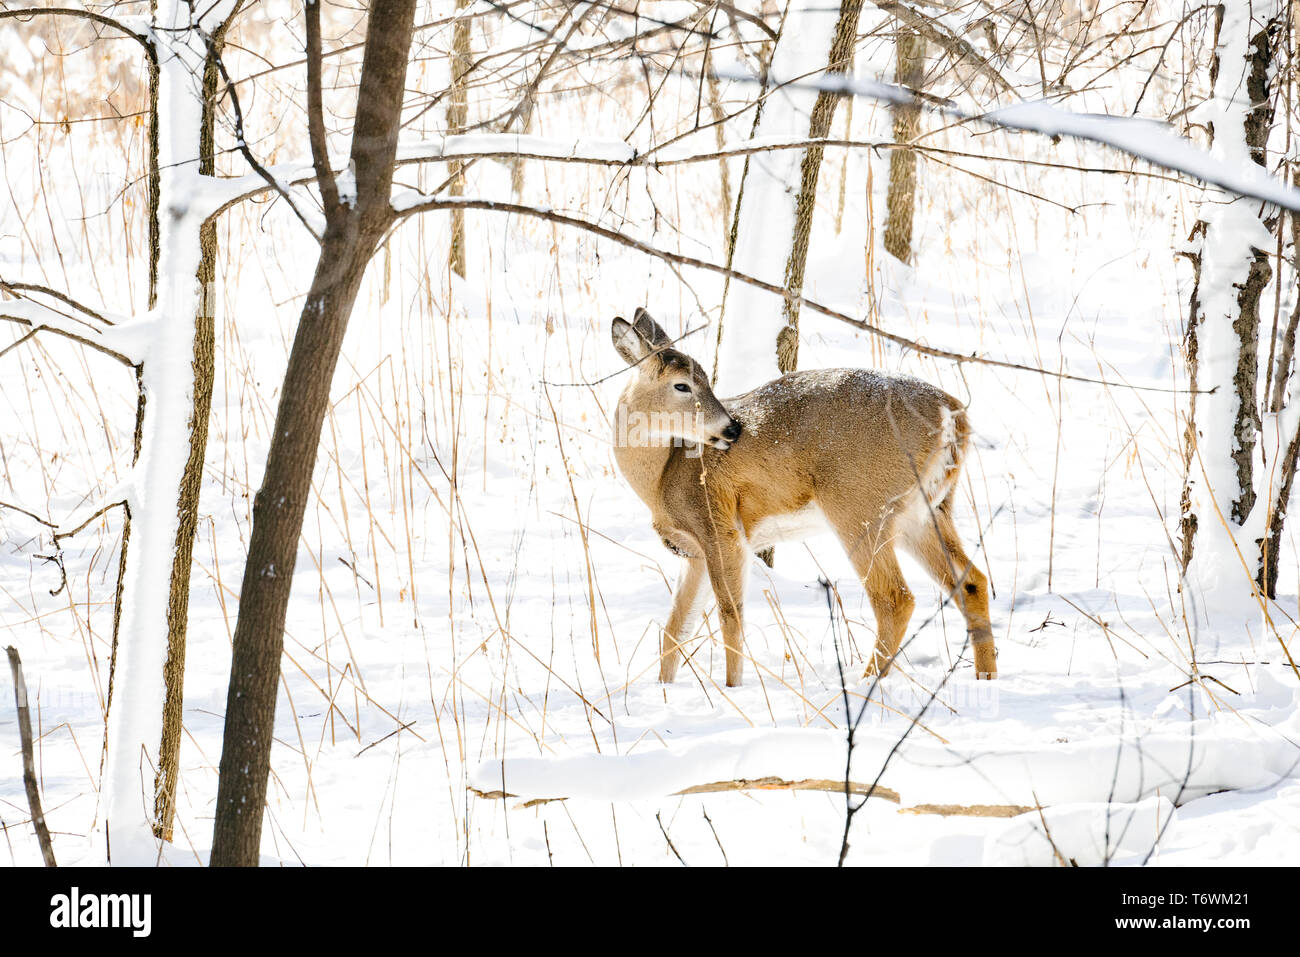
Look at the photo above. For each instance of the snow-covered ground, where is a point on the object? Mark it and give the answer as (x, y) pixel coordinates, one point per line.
(478, 592)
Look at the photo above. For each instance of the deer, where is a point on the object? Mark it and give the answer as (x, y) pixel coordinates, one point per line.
(873, 457)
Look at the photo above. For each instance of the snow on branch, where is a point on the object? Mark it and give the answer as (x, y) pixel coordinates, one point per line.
(120, 340)
(1149, 140)
(136, 28)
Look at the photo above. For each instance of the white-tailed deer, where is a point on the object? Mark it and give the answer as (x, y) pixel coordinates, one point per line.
(874, 457)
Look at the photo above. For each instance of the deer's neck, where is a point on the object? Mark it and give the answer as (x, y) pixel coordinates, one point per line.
(641, 462)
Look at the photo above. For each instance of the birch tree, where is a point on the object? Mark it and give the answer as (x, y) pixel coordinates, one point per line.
(1240, 442)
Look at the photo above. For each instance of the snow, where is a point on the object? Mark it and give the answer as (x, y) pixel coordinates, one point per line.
(478, 593)
(1254, 748)
(1086, 835)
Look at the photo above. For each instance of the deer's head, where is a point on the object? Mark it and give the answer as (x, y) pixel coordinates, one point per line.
(669, 398)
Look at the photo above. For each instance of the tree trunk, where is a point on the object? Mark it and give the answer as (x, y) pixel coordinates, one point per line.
(351, 238)
(819, 127)
(1272, 546)
(457, 118)
(900, 200)
(146, 679)
(767, 343)
(187, 507)
(1227, 511)
(768, 179)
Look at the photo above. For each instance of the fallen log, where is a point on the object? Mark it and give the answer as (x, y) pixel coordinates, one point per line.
(742, 784)
(969, 810)
(806, 784)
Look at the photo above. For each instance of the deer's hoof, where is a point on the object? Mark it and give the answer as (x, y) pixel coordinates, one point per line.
(876, 668)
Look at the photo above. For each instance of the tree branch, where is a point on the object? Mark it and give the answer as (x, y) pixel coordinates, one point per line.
(954, 46)
(99, 18)
(242, 144)
(329, 190)
(59, 536)
(18, 288)
(37, 324)
(429, 204)
(32, 515)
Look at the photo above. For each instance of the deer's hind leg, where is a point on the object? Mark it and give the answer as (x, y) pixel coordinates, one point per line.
(682, 618)
(892, 602)
(872, 553)
(932, 540)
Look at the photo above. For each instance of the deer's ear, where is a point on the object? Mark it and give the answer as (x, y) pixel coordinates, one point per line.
(628, 342)
(649, 329)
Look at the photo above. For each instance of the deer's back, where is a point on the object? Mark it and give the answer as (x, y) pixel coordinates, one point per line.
(813, 431)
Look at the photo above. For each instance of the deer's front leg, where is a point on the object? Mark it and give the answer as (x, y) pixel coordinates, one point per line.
(728, 563)
(681, 620)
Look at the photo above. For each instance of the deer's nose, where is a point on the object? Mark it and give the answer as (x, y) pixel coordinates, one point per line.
(732, 432)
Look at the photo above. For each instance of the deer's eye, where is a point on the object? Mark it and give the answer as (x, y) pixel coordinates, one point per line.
(682, 387)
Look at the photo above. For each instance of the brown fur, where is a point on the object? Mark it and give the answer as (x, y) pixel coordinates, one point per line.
(878, 455)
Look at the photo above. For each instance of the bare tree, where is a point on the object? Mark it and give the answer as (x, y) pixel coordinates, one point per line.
(1232, 508)
(355, 224)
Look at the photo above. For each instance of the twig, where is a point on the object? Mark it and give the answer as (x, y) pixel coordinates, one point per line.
(717, 840)
(954, 46)
(668, 839)
(242, 144)
(383, 739)
(29, 764)
(59, 536)
(32, 515)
